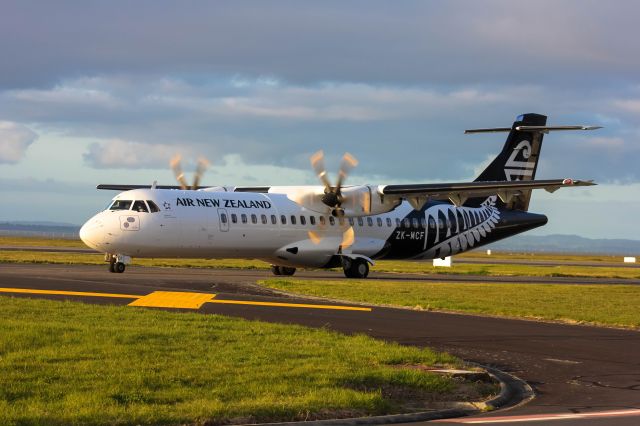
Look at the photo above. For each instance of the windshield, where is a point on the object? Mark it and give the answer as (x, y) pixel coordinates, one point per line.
(121, 205)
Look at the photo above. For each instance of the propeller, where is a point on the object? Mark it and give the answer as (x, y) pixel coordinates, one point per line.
(176, 166)
(333, 194)
(348, 234)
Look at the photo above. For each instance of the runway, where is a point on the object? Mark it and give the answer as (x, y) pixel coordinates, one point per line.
(573, 369)
(481, 260)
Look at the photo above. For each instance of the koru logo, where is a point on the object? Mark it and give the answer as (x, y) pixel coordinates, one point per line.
(167, 206)
(516, 168)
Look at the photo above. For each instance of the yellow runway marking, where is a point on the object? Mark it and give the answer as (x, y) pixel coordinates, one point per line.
(181, 300)
(68, 293)
(173, 299)
(290, 305)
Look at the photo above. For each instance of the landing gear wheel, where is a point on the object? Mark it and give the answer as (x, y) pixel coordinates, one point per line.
(112, 266)
(119, 267)
(284, 270)
(275, 270)
(355, 268)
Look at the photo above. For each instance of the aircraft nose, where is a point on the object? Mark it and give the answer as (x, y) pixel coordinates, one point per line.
(91, 232)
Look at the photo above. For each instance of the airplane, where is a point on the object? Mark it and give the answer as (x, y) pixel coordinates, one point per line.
(329, 225)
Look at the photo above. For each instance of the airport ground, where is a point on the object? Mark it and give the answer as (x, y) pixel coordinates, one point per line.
(575, 370)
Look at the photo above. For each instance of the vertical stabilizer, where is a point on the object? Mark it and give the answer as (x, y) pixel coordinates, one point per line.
(518, 159)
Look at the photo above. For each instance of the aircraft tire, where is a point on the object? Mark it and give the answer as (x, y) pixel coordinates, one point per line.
(284, 270)
(356, 268)
(119, 267)
(112, 266)
(275, 270)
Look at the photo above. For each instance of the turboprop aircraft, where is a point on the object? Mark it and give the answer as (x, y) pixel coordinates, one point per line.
(332, 225)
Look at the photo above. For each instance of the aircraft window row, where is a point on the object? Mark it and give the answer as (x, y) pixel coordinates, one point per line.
(139, 206)
(331, 220)
(445, 221)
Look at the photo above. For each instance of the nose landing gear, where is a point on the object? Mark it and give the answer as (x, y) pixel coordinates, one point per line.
(117, 262)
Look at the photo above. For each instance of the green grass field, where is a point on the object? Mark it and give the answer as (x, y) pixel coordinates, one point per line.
(611, 305)
(69, 363)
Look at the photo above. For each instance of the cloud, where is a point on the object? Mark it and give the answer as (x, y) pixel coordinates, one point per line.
(120, 154)
(14, 141)
(452, 42)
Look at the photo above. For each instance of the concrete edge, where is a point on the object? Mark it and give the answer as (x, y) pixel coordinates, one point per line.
(513, 392)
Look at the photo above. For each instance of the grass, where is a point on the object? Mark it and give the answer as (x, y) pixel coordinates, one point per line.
(611, 305)
(70, 363)
(40, 242)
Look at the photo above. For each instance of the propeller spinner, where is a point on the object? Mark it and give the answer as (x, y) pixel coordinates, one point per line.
(333, 194)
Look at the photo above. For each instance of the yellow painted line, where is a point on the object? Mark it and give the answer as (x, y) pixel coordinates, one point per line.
(68, 293)
(289, 305)
(173, 299)
(181, 300)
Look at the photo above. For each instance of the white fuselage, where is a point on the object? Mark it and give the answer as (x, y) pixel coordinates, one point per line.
(270, 226)
(203, 224)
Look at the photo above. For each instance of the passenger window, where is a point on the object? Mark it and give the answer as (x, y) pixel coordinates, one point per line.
(293, 220)
(407, 223)
(234, 218)
(223, 218)
(423, 222)
(140, 207)
(121, 205)
(388, 221)
(397, 222)
(283, 219)
(153, 208)
(312, 220)
(303, 220)
(351, 221)
(244, 218)
(332, 220)
(370, 221)
(264, 219)
(432, 223)
(360, 221)
(379, 220)
(323, 221)
(274, 219)
(254, 219)
(414, 222)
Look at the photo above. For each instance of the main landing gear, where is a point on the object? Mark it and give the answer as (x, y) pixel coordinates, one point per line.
(282, 270)
(117, 263)
(355, 268)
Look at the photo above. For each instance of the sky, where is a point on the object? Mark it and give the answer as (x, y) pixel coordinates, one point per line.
(107, 92)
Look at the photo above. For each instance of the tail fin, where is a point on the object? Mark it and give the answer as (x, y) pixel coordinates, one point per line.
(518, 159)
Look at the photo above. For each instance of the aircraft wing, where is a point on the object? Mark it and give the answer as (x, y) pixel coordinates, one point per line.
(128, 187)
(458, 193)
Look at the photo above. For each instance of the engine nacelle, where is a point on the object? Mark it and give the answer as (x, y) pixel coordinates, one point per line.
(360, 200)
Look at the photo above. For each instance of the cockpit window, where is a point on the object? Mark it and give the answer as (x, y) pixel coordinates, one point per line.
(140, 207)
(153, 208)
(121, 205)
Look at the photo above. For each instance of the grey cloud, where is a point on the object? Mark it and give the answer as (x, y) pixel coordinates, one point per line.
(410, 132)
(441, 42)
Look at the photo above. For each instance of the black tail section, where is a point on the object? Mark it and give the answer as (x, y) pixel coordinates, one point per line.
(518, 159)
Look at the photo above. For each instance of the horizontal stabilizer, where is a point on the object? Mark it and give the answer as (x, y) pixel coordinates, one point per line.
(541, 129)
